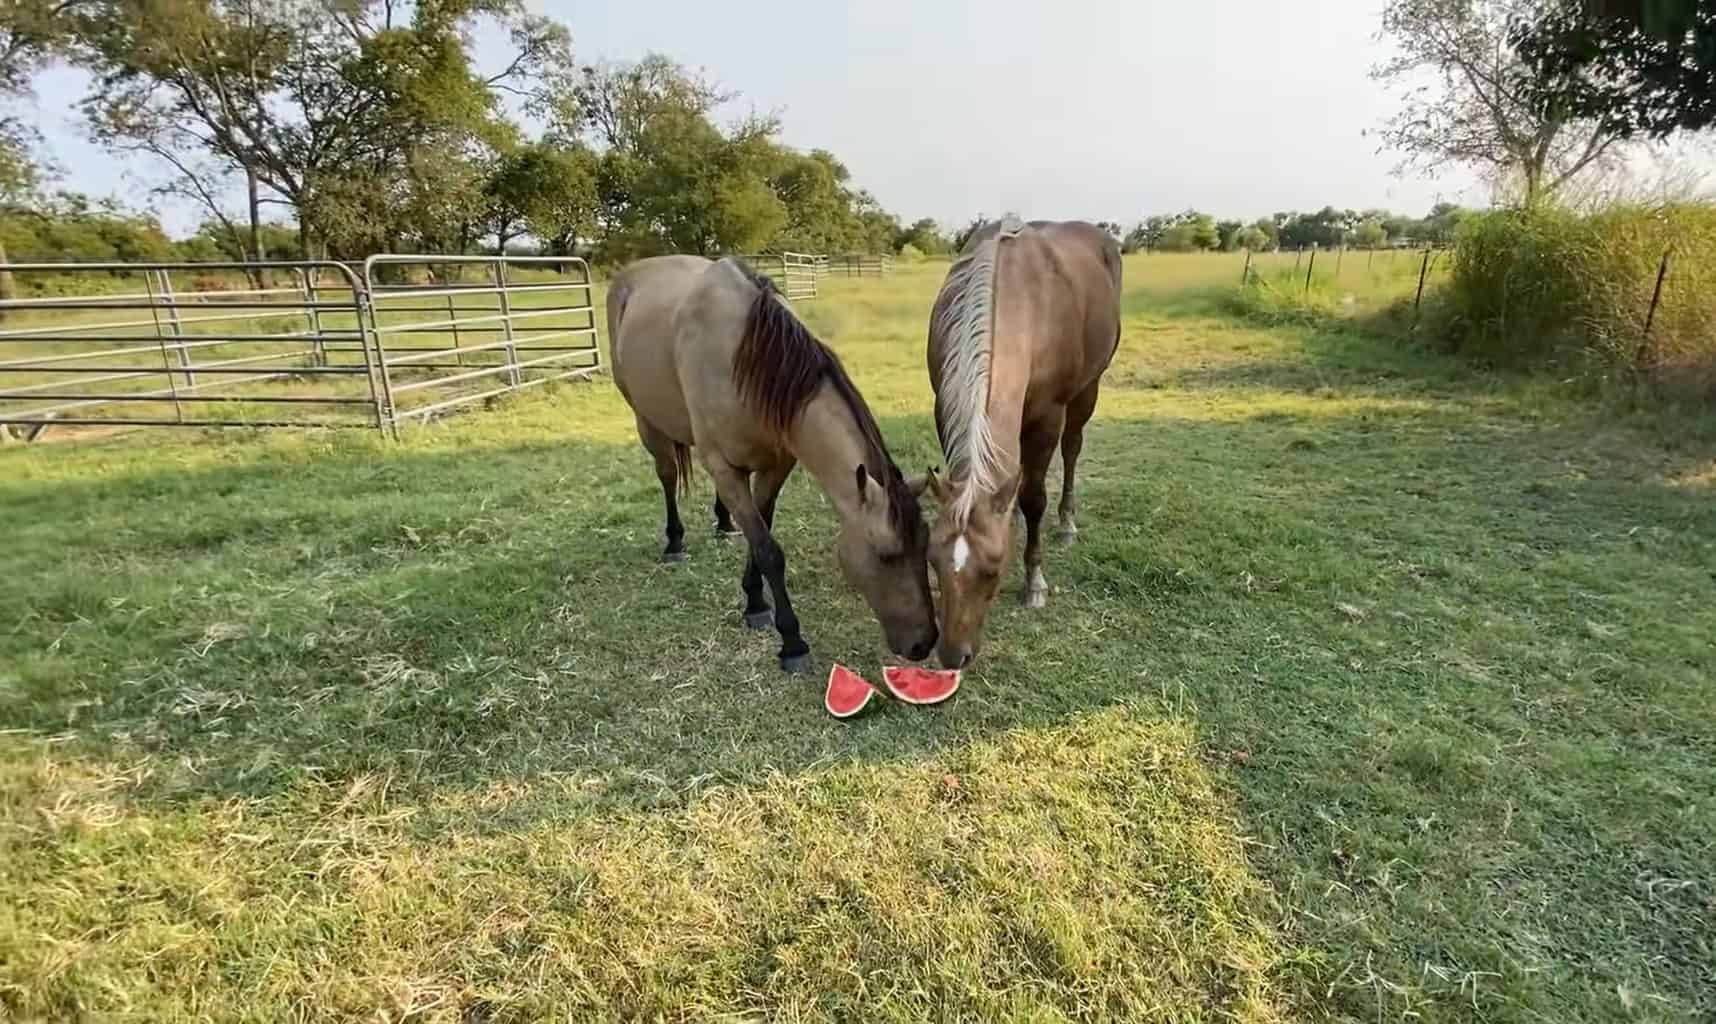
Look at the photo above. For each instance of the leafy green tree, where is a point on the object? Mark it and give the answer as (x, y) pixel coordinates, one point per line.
(329, 106)
(1228, 233)
(1147, 234)
(1271, 232)
(1469, 98)
(1635, 67)
(925, 236)
(1201, 232)
(1443, 221)
(1370, 234)
(1252, 237)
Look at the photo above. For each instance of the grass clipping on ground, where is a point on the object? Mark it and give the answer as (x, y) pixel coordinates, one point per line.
(1086, 871)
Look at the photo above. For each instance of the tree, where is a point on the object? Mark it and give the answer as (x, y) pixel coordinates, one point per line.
(1370, 235)
(32, 32)
(1488, 106)
(1326, 228)
(1228, 232)
(1444, 220)
(1635, 67)
(1271, 232)
(925, 236)
(547, 189)
(1252, 237)
(329, 106)
(1200, 231)
(1147, 235)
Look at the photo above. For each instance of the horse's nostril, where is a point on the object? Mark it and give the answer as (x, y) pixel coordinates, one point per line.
(965, 659)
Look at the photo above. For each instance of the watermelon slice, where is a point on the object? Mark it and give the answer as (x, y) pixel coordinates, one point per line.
(920, 685)
(848, 692)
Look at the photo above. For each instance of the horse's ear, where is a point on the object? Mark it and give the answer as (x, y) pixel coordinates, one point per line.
(928, 482)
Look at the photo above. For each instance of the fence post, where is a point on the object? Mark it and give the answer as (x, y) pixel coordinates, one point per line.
(453, 321)
(313, 316)
(512, 375)
(1309, 267)
(1419, 298)
(1656, 296)
(1340, 254)
(1298, 254)
(1245, 272)
(1643, 350)
(178, 327)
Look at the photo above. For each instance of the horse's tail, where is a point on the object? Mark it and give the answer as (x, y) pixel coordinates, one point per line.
(682, 464)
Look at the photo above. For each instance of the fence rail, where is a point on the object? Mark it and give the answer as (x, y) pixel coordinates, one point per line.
(317, 343)
(797, 273)
(862, 264)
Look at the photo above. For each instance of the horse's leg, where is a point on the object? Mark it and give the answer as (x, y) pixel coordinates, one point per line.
(766, 556)
(1072, 442)
(1036, 450)
(765, 488)
(723, 520)
(667, 471)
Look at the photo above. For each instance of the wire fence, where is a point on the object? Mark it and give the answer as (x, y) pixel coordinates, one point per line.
(1353, 276)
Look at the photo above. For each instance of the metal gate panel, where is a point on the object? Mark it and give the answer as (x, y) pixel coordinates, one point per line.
(173, 344)
(451, 330)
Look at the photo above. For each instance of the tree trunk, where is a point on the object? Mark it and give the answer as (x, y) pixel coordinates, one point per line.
(257, 278)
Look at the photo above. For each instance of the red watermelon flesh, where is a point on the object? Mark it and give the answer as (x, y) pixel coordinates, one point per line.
(848, 692)
(920, 685)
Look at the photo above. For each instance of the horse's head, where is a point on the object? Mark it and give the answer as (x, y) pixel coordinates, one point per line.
(883, 551)
(969, 547)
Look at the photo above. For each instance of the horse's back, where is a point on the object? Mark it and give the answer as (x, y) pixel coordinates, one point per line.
(708, 329)
(643, 303)
(1063, 284)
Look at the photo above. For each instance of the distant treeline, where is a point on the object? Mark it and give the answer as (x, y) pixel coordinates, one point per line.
(1192, 231)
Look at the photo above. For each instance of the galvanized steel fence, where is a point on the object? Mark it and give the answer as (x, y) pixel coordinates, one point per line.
(318, 343)
(862, 264)
(796, 273)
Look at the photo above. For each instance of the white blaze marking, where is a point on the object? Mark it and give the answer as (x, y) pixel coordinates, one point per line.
(961, 552)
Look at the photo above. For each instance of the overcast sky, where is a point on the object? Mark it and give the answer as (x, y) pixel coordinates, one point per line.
(950, 108)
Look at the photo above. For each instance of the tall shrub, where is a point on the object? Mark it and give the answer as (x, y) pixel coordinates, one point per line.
(1550, 287)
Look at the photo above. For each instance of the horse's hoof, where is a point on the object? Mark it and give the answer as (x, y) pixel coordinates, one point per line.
(721, 534)
(1068, 534)
(760, 620)
(673, 557)
(796, 664)
(1036, 598)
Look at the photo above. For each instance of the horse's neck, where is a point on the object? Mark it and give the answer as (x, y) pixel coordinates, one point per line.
(1009, 374)
(827, 442)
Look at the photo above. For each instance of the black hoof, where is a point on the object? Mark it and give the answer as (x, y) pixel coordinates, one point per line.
(760, 620)
(795, 664)
(670, 557)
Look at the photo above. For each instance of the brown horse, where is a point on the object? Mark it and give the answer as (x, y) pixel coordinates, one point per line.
(1026, 322)
(710, 357)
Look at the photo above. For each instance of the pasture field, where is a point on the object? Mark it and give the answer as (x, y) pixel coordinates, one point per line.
(1373, 689)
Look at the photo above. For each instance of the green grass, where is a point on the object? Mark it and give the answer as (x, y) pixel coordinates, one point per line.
(1373, 689)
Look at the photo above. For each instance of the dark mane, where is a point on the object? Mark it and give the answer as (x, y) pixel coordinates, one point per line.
(778, 369)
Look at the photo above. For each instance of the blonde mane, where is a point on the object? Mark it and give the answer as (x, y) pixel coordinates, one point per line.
(964, 319)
